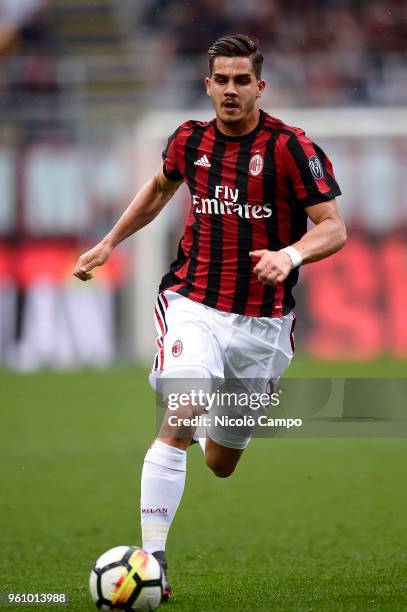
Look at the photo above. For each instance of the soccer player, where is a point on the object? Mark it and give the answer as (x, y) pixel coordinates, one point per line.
(225, 308)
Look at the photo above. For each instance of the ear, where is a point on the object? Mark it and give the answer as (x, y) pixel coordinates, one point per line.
(208, 82)
(260, 88)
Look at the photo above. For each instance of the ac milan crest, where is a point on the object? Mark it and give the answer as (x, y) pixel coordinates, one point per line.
(177, 348)
(256, 164)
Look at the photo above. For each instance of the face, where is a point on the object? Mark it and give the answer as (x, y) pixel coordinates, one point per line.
(234, 89)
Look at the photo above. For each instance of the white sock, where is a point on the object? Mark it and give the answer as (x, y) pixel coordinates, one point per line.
(162, 486)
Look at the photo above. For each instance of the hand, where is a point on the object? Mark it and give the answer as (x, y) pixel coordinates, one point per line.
(273, 267)
(89, 260)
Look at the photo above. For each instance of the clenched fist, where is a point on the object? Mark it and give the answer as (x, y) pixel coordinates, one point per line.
(273, 267)
(91, 259)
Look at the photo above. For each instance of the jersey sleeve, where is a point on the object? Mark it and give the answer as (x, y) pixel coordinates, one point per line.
(309, 171)
(169, 155)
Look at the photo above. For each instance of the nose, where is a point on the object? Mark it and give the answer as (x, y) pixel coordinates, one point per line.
(230, 89)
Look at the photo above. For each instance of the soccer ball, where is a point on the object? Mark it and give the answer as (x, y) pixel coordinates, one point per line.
(126, 578)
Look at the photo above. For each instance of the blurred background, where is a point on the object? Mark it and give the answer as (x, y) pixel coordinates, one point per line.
(89, 93)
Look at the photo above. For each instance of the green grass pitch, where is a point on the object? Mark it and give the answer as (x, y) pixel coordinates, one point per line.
(303, 524)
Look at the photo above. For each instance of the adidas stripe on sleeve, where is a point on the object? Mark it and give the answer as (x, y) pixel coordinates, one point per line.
(170, 168)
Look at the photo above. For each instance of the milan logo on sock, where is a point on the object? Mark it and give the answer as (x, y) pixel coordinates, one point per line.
(154, 511)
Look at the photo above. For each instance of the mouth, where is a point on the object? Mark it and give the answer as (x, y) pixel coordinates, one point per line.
(230, 106)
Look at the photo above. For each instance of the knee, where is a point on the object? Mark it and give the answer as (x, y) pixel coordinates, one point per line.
(221, 470)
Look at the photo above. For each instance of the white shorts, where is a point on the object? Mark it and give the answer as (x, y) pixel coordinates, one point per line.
(221, 348)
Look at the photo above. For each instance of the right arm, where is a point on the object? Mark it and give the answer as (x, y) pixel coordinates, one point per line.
(150, 199)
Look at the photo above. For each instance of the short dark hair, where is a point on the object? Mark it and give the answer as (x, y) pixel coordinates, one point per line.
(236, 45)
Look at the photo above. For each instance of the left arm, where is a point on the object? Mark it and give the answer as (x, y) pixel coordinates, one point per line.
(327, 237)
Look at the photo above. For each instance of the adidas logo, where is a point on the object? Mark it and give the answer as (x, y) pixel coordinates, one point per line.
(204, 161)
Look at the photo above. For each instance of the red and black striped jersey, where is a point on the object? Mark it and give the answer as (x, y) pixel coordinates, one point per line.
(247, 193)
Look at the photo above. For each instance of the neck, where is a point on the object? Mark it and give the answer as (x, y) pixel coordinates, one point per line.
(241, 127)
